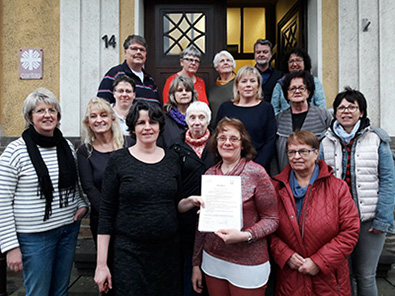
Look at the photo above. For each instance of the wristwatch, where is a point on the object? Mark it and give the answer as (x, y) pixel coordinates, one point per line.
(249, 240)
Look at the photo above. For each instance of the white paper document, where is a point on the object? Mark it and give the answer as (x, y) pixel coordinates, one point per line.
(223, 203)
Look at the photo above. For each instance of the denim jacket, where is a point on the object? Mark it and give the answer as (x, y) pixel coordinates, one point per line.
(372, 170)
(280, 104)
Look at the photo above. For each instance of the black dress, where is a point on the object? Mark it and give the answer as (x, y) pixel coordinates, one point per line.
(91, 166)
(139, 210)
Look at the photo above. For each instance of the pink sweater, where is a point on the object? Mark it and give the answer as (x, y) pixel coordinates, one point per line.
(260, 217)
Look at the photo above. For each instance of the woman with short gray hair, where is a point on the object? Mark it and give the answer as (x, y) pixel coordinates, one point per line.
(195, 159)
(40, 202)
(189, 61)
(222, 91)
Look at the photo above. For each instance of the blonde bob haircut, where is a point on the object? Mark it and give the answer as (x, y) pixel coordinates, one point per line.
(246, 70)
(88, 136)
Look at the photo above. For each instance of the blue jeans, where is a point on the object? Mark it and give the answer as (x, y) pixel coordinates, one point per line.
(47, 259)
(364, 260)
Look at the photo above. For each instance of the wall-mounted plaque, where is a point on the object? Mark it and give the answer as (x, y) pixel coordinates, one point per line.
(31, 63)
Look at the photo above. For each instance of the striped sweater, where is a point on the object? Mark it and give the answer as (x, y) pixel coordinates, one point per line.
(317, 121)
(21, 208)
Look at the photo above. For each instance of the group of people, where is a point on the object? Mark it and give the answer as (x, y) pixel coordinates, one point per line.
(317, 192)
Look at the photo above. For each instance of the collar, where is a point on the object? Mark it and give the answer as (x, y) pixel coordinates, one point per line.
(325, 172)
(220, 82)
(267, 71)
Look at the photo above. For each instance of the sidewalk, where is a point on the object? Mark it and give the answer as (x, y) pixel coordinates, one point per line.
(82, 283)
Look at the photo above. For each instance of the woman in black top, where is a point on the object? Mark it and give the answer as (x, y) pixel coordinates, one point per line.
(101, 136)
(139, 212)
(195, 159)
(256, 115)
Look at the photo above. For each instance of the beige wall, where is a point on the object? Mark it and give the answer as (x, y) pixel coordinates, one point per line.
(26, 24)
(126, 24)
(330, 45)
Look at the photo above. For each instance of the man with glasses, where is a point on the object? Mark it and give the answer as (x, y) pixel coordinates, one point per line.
(135, 56)
(270, 76)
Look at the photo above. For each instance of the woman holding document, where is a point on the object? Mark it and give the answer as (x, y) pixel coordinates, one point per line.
(233, 260)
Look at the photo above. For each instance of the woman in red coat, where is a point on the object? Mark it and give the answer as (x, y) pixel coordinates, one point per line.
(319, 224)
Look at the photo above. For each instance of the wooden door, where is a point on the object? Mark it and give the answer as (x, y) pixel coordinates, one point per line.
(291, 32)
(171, 27)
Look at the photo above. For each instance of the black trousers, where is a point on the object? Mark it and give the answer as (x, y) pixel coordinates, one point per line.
(3, 275)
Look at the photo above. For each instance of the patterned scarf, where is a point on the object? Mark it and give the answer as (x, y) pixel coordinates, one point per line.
(197, 144)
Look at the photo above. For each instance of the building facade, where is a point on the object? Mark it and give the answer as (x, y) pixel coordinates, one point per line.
(350, 43)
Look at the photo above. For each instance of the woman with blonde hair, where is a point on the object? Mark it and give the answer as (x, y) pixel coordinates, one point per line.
(256, 114)
(101, 135)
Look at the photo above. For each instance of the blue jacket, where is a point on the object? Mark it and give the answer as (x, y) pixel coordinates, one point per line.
(280, 104)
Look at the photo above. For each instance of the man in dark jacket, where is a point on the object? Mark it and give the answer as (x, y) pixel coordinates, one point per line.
(263, 55)
(135, 56)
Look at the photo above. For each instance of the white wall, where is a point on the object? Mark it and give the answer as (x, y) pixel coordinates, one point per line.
(314, 36)
(139, 17)
(83, 56)
(387, 65)
(365, 58)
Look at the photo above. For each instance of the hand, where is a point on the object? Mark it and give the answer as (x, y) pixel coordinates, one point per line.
(197, 279)
(14, 259)
(190, 202)
(79, 214)
(103, 278)
(196, 201)
(309, 267)
(295, 261)
(375, 231)
(233, 236)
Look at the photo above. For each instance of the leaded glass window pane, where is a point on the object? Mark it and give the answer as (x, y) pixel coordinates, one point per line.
(183, 29)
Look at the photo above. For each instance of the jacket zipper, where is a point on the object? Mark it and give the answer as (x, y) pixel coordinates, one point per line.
(305, 209)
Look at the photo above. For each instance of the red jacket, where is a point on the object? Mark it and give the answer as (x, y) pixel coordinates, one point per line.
(327, 233)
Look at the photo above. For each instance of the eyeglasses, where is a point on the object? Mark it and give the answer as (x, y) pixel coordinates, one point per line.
(43, 111)
(257, 52)
(223, 139)
(294, 89)
(297, 61)
(121, 91)
(350, 108)
(191, 60)
(302, 152)
(135, 49)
